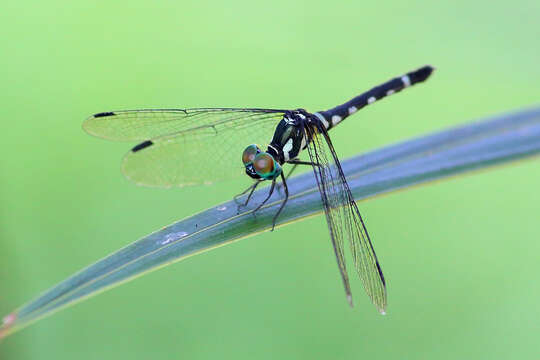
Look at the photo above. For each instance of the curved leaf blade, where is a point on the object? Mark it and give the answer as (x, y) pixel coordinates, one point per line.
(450, 152)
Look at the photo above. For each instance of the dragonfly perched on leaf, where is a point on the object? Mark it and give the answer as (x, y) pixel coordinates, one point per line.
(196, 146)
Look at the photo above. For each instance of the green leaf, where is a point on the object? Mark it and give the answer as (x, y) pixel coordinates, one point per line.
(493, 141)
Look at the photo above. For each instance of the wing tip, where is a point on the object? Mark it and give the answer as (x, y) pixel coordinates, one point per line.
(91, 127)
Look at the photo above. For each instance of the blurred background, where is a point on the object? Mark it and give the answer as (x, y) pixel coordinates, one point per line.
(460, 256)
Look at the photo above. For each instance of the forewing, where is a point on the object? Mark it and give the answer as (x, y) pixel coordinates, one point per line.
(185, 147)
(138, 125)
(343, 218)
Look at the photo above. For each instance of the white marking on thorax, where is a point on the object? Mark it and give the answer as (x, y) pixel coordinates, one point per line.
(287, 149)
(371, 100)
(289, 121)
(336, 119)
(352, 110)
(390, 92)
(301, 116)
(323, 120)
(273, 148)
(406, 80)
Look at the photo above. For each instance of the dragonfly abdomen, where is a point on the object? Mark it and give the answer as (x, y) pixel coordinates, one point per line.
(334, 116)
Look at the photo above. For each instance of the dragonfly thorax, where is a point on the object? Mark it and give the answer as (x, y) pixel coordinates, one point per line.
(290, 136)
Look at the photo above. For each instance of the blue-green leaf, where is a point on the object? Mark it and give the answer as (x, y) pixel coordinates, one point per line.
(493, 141)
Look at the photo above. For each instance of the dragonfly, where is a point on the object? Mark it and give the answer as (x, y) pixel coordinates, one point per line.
(181, 147)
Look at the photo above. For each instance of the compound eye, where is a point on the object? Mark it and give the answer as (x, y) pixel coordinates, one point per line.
(249, 154)
(263, 164)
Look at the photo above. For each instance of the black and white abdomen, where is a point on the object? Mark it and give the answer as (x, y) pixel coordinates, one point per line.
(332, 117)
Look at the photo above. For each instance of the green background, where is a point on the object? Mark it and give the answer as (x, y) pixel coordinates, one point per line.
(461, 256)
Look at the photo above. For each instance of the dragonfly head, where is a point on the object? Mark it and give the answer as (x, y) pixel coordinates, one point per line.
(259, 164)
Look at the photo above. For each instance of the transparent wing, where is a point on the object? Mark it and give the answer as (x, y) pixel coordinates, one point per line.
(343, 218)
(137, 125)
(185, 147)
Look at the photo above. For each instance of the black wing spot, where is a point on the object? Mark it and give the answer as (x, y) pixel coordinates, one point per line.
(142, 145)
(104, 114)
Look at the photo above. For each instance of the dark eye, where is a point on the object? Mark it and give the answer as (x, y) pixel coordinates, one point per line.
(249, 154)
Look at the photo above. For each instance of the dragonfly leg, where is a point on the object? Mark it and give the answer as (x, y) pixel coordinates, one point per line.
(251, 192)
(291, 171)
(284, 179)
(288, 175)
(295, 163)
(252, 188)
(268, 197)
(299, 162)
